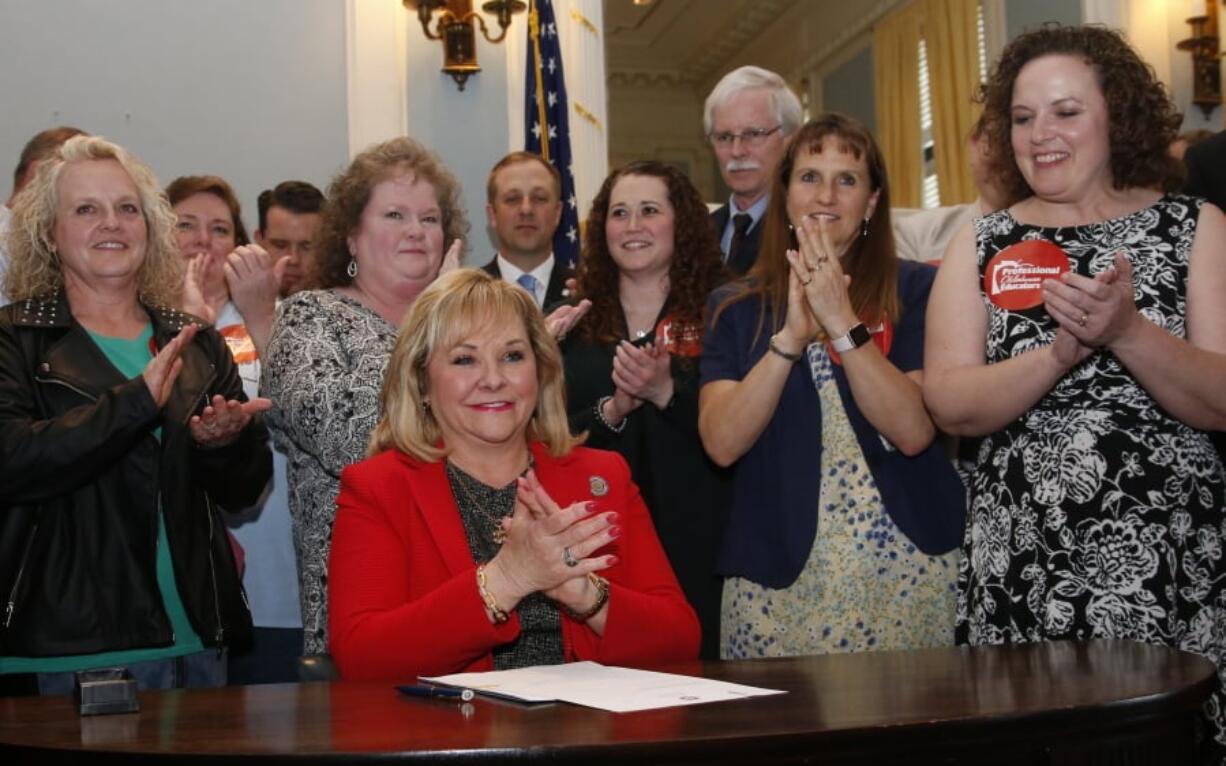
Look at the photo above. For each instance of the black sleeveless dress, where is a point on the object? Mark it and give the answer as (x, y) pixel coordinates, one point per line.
(1097, 514)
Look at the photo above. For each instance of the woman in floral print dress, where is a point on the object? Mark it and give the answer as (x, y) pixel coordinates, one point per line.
(1096, 506)
(846, 514)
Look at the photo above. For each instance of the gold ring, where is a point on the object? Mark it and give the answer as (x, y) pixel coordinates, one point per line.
(1084, 317)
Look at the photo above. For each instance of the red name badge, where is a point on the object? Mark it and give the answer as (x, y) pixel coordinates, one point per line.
(882, 334)
(242, 348)
(680, 339)
(1014, 277)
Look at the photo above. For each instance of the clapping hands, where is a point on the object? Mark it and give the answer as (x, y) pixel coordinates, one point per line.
(549, 549)
(221, 421)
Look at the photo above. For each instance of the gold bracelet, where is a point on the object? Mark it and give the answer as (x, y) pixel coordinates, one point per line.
(602, 598)
(490, 604)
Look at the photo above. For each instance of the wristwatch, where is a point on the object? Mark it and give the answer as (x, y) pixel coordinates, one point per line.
(856, 337)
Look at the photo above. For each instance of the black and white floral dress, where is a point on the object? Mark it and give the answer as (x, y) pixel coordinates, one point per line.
(1097, 514)
(323, 371)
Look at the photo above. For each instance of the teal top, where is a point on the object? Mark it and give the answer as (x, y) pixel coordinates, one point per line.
(130, 356)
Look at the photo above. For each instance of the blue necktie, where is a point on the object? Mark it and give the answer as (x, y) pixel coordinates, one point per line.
(529, 283)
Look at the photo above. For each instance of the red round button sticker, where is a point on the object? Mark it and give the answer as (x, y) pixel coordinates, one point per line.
(1014, 277)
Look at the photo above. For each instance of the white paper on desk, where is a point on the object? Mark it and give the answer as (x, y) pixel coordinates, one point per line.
(620, 690)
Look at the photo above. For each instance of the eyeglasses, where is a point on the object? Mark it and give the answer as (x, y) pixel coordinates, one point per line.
(749, 136)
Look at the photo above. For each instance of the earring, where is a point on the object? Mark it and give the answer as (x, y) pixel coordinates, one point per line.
(864, 227)
(425, 404)
(352, 268)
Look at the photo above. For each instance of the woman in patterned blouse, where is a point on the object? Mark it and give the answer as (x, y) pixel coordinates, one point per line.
(388, 220)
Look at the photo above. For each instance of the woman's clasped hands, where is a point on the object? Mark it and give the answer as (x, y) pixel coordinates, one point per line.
(817, 289)
(1093, 312)
(552, 550)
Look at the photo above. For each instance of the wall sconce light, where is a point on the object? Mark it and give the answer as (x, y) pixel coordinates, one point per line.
(1206, 70)
(455, 28)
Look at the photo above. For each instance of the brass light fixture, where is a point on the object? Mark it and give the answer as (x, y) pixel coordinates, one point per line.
(1206, 71)
(455, 28)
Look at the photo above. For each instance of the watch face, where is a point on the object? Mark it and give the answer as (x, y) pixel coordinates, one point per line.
(859, 335)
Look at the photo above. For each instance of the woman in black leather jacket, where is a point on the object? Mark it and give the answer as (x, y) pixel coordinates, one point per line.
(123, 431)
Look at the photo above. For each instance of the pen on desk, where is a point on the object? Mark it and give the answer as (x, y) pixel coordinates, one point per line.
(438, 692)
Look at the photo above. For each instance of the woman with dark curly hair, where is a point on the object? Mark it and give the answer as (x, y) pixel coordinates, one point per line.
(1081, 332)
(388, 219)
(650, 258)
(846, 515)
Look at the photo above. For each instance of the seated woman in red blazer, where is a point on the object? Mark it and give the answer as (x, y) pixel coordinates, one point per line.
(478, 535)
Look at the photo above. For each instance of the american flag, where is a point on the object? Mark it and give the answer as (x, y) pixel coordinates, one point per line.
(546, 127)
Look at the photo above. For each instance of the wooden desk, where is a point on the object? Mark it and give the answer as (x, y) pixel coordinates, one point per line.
(1102, 702)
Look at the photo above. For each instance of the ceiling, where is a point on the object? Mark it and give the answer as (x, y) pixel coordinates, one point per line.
(682, 42)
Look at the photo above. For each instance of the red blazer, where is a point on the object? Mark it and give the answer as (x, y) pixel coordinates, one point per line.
(402, 584)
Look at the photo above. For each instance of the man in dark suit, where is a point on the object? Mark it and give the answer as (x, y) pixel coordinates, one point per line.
(748, 119)
(524, 206)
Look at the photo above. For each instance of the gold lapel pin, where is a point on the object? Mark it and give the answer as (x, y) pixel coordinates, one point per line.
(598, 485)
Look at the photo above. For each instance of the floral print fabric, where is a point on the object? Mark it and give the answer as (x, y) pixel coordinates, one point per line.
(865, 586)
(1096, 514)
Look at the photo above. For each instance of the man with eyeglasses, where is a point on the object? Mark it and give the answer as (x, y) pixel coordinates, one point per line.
(748, 119)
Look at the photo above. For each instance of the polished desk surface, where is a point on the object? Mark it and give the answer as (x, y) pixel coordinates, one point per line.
(882, 707)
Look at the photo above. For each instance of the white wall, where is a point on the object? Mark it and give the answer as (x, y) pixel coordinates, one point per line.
(396, 86)
(468, 129)
(258, 91)
(252, 91)
(1154, 27)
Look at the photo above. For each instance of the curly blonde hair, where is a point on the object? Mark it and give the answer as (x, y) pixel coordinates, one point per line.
(454, 305)
(35, 269)
(350, 191)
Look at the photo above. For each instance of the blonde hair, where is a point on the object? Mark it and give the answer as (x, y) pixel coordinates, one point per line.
(35, 270)
(454, 305)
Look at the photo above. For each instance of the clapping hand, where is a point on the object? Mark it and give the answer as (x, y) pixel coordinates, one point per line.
(451, 261)
(644, 374)
(164, 368)
(221, 422)
(193, 288)
(563, 318)
(820, 273)
(549, 549)
(1096, 310)
(254, 279)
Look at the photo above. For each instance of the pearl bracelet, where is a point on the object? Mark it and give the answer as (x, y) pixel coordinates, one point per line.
(600, 416)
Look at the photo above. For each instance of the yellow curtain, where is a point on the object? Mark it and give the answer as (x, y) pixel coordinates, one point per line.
(951, 38)
(896, 77)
